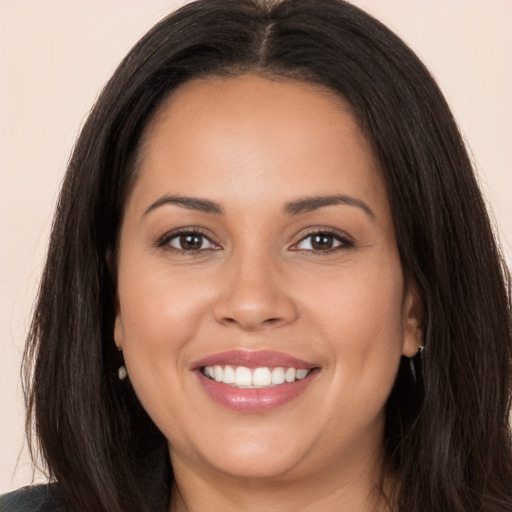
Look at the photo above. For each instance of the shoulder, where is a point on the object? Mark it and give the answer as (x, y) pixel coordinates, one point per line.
(38, 498)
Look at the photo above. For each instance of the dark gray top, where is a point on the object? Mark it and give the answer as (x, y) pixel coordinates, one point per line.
(38, 498)
(155, 474)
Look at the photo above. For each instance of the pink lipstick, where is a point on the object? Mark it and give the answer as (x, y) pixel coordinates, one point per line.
(256, 381)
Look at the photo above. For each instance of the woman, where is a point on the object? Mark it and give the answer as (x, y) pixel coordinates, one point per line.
(272, 282)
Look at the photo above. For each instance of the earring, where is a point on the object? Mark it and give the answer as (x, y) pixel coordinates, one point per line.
(413, 366)
(122, 373)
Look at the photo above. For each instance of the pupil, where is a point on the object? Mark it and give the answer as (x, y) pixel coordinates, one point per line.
(190, 242)
(322, 242)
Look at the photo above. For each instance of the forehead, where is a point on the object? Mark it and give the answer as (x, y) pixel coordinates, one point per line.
(251, 104)
(251, 134)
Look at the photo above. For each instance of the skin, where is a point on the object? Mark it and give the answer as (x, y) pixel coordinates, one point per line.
(252, 145)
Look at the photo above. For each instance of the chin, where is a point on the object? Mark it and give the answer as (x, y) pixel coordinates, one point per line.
(250, 454)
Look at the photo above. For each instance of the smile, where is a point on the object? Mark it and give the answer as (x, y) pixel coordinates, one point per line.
(254, 382)
(254, 378)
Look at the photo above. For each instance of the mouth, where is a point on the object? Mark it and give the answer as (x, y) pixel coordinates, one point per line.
(249, 382)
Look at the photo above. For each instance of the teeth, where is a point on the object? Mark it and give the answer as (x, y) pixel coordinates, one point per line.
(254, 378)
(229, 375)
(243, 376)
(289, 376)
(278, 375)
(301, 374)
(262, 377)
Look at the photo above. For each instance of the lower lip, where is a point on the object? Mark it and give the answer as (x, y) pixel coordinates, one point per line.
(254, 400)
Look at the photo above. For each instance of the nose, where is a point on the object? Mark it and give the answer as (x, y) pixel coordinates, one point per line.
(254, 295)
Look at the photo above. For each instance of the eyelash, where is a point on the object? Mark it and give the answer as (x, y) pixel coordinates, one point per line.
(344, 240)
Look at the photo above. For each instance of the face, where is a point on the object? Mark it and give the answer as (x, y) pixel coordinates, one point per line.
(262, 308)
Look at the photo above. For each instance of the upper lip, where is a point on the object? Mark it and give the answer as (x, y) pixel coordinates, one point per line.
(253, 359)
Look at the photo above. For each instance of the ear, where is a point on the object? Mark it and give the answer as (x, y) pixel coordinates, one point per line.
(412, 315)
(118, 325)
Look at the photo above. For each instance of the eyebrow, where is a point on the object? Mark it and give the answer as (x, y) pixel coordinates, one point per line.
(309, 204)
(191, 203)
(297, 207)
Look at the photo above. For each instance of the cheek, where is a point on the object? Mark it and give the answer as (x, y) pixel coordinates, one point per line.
(159, 316)
(159, 319)
(158, 308)
(359, 316)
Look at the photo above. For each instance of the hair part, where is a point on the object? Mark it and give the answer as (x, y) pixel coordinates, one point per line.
(447, 441)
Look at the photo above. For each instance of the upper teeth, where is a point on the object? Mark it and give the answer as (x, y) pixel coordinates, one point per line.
(253, 377)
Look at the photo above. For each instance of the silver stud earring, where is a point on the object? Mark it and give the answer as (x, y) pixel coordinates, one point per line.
(412, 365)
(122, 373)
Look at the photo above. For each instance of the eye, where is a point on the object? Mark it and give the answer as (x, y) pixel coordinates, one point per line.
(187, 241)
(322, 241)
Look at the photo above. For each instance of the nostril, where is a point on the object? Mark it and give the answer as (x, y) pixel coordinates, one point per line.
(249, 308)
(250, 323)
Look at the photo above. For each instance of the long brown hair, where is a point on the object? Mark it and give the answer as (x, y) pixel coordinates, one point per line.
(447, 433)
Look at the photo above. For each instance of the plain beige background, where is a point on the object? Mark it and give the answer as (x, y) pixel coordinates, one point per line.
(55, 55)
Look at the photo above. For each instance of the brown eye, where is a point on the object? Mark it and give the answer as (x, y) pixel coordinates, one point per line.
(190, 242)
(322, 242)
